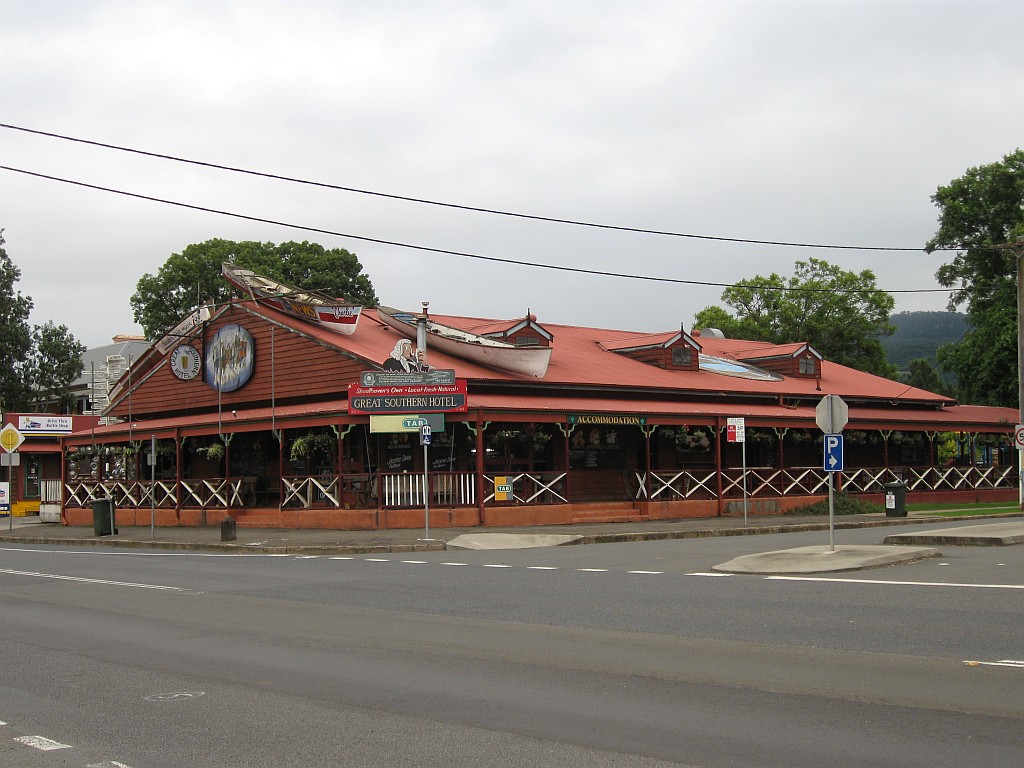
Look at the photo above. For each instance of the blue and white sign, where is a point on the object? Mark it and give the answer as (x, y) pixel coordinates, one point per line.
(425, 434)
(833, 453)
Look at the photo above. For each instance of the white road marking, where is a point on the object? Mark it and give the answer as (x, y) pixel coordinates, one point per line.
(134, 553)
(42, 743)
(454, 563)
(342, 558)
(651, 573)
(107, 764)
(542, 567)
(415, 562)
(895, 583)
(92, 581)
(593, 570)
(376, 560)
(494, 565)
(702, 573)
(1003, 663)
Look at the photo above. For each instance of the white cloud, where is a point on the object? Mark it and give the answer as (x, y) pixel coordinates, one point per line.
(825, 122)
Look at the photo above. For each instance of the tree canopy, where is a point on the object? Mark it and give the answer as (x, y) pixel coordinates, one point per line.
(193, 277)
(979, 211)
(841, 314)
(39, 363)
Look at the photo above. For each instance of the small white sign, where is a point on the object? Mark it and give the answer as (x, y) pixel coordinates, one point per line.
(39, 424)
(1018, 436)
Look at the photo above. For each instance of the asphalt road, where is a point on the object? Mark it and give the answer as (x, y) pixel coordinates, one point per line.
(630, 654)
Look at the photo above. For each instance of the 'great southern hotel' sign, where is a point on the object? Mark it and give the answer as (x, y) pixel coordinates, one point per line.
(427, 398)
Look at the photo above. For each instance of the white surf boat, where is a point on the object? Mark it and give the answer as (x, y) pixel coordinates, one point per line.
(530, 361)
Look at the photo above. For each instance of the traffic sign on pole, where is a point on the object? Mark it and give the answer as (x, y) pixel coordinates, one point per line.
(831, 414)
(735, 430)
(833, 453)
(11, 438)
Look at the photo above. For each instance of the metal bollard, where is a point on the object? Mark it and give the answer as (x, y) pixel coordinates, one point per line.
(228, 529)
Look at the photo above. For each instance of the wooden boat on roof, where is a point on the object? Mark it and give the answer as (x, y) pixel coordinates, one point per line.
(530, 361)
(333, 314)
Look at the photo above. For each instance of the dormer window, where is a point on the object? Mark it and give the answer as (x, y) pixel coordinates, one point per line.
(682, 357)
(808, 365)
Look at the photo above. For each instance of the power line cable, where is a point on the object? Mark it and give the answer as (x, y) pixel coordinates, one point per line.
(444, 251)
(457, 206)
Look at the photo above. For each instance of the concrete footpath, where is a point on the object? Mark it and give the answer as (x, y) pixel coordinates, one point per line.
(28, 530)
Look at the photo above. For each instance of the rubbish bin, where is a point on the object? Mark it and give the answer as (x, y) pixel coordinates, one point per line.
(895, 499)
(103, 517)
(228, 529)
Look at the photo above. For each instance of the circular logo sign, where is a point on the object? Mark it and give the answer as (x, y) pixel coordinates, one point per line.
(186, 362)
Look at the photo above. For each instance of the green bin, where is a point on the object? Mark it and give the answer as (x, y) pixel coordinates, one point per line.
(895, 499)
(103, 517)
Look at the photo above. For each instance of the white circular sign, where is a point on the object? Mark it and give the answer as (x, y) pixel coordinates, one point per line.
(186, 362)
(1018, 436)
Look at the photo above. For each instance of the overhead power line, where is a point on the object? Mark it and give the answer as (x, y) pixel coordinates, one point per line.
(428, 249)
(457, 206)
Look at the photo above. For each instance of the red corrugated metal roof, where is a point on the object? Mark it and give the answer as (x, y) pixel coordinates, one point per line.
(581, 360)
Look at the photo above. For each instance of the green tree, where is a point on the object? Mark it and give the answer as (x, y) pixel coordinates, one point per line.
(841, 314)
(981, 209)
(193, 277)
(56, 364)
(40, 362)
(921, 374)
(15, 337)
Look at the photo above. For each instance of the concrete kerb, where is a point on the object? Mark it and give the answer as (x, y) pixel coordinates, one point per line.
(823, 559)
(714, 528)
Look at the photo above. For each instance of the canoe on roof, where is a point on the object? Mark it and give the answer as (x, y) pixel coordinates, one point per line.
(529, 361)
(333, 314)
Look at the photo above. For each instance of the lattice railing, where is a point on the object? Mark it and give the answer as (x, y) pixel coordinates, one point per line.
(530, 488)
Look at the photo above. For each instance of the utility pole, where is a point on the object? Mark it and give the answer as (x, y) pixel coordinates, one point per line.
(1017, 249)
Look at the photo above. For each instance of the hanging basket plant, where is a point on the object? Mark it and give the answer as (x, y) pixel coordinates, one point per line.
(214, 451)
(304, 447)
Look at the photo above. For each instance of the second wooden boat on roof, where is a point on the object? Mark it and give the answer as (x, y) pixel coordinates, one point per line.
(334, 314)
(530, 361)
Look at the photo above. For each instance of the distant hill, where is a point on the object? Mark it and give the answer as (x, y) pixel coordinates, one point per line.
(919, 334)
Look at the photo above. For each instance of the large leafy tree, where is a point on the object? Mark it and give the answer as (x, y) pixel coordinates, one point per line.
(193, 277)
(56, 364)
(39, 363)
(842, 314)
(982, 209)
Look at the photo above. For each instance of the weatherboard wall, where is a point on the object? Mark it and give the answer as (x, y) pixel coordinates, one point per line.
(289, 366)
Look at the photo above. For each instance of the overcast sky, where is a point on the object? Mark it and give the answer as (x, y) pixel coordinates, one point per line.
(813, 122)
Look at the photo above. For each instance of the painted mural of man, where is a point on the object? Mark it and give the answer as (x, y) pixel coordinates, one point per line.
(405, 357)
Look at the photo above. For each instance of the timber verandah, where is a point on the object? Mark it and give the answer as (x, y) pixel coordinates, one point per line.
(557, 474)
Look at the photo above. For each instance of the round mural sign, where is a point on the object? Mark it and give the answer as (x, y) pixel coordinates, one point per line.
(186, 362)
(229, 358)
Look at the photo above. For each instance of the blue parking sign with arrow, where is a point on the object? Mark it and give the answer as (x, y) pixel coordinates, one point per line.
(833, 453)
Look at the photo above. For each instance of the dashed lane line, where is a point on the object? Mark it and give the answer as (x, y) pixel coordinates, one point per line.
(41, 743)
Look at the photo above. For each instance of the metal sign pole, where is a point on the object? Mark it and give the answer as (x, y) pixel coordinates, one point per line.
(425, 442)
(426, 495)
(831, 484)
(10, 492)
(744, 481)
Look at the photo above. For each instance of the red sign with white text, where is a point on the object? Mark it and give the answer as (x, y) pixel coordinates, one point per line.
(418, 398)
